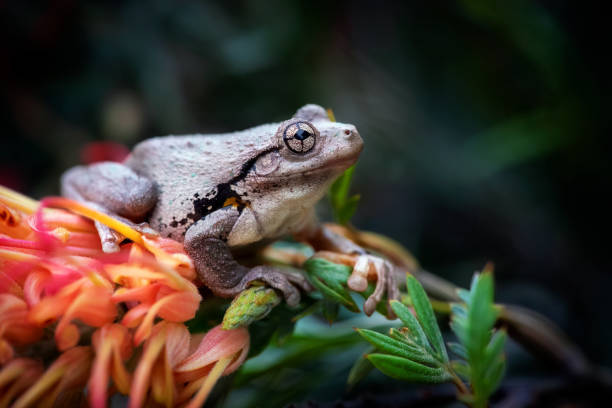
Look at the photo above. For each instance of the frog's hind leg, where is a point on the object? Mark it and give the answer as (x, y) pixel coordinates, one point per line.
(205, 242)
(113, 189)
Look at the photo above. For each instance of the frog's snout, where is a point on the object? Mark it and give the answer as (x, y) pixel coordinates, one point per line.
(353, 138)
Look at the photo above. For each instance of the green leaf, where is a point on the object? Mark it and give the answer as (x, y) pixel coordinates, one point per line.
(360, 369)
(495, 348)
(404, 369)
(481, 313)
(346, 212)
(464, 295)
(346, 301)
(461, 368)
(494, 377)
(403, 336)
(426, 316)
(414, 327)
(343, 206)
(330, 279)
(330, 310)
(458, 350)
(397, 348)
(458, 311)
(481, 346)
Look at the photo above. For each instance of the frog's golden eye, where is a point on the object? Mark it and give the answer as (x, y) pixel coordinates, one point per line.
(300, 137)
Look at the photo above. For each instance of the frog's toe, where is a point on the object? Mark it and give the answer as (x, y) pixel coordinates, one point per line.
(369, 265)
(108, 238)
(145, 229)
(284, 282)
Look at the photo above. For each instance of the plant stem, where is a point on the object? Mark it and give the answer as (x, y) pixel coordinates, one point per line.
(461, 387)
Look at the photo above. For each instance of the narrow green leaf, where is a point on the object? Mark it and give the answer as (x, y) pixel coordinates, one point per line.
(330, 311)
(404, 369)
(330, 279)
(404, 337)
(462, 369)
(426, 316)
(494, 376)
(484, 348)
(343, 206)
(464, 295)
(348, 209)
(458, 350)
(340, 188)
(360, 369)
(395, 347)
(346, 301)
(481, 314)
(458, 311)
(495, 348)
(416, 331)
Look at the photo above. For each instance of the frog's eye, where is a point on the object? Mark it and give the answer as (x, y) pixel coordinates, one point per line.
(300, 137)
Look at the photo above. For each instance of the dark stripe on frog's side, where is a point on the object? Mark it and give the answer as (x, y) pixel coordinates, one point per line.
(226, 196)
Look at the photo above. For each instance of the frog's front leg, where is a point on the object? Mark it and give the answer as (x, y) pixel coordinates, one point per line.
(116, 190)
(205, 242)
(366, 267)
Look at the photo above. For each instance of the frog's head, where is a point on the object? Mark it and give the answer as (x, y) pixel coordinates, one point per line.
(310, 145)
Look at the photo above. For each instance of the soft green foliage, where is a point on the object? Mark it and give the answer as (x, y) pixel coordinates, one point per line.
(330, 279)
(250, 305)
(360, 369)
(343, 206)
(416, 352)
(426, 316)
(480, 346)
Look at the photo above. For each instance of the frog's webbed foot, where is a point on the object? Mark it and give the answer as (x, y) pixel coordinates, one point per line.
(111, 239)
(113, 189)
(374, 266)
(220, 272)
(287, 282)
(366, 268)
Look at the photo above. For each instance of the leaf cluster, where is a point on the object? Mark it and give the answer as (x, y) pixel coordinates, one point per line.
(481, 348)
(330, 279)
(416, 352)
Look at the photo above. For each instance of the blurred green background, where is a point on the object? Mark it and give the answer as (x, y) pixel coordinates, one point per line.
(484, 121)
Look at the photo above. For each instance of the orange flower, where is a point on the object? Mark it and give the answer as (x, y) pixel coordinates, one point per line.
(16, 377)
(112, 346)
(69, 371)
(221, 352)
(15, 329)
(53, 271)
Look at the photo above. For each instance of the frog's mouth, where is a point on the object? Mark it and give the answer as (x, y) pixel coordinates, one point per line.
(333, 168)
(342, 163)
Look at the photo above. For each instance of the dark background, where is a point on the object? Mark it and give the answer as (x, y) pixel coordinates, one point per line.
(484, 121)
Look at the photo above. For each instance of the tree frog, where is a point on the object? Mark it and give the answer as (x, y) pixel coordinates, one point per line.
(221, 194)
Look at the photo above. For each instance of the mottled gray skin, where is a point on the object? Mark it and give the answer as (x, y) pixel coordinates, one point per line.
(220, 193)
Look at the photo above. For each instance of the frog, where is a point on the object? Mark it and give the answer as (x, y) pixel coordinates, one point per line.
(224, 194)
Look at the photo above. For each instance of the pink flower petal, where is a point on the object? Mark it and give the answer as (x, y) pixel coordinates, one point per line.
(217, 343)
(110, 342)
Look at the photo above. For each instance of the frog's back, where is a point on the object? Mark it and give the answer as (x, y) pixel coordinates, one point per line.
(189, 169)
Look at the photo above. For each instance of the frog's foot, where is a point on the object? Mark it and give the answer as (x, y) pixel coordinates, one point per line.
(111, 239)
(370, 266)
(287, 282)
